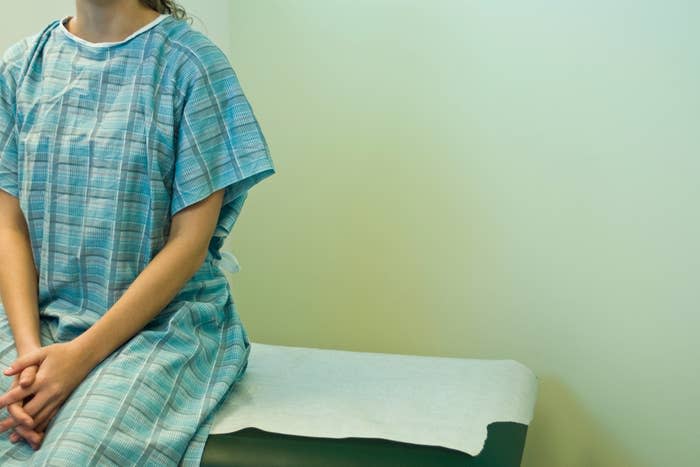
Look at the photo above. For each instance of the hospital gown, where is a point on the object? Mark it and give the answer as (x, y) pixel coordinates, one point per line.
(102, 143)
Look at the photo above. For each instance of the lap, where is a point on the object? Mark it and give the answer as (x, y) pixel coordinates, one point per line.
(137, 406)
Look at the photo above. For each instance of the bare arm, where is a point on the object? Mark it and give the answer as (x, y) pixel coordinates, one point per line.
(190, 232)
(18, 276)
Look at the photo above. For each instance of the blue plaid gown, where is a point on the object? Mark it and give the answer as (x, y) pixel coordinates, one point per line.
(102, 143)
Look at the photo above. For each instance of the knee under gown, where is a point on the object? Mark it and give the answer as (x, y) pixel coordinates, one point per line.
(102, 143)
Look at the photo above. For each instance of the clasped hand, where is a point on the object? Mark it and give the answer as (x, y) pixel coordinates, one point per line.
(44, 378)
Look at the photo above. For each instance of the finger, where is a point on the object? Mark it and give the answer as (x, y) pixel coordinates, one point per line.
(38, 443)
(31, 436)
(16, 394)
(17, 416)
(6, 424)
(41, 400)
(20, 415)
(14, 437)
(43, 414)
(42, 427)
(29, 359)
(27, 376)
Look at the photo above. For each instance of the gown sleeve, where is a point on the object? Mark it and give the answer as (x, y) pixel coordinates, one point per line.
(8, 135)
(219, 143)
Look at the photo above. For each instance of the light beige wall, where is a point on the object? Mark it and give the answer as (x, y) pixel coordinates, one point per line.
(488, 180)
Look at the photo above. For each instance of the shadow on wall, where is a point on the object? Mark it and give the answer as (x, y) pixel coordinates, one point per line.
(563, 434)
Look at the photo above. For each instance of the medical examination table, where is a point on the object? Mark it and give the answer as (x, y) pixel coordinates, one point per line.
(308, 407)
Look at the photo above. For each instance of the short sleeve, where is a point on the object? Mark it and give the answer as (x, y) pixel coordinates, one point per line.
(219, 143)
(8, 136)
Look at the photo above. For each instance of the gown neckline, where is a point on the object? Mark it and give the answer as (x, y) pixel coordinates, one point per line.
(141, 30)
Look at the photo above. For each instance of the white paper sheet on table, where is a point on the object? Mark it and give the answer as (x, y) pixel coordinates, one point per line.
(439, 401)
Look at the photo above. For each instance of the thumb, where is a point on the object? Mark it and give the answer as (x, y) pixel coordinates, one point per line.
(26, 377)
(32, 358)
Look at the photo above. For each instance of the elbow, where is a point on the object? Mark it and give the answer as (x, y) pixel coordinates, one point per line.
(191, 252)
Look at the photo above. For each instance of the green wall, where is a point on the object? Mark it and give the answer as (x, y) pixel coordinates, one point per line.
(484, 180)
(487, 180)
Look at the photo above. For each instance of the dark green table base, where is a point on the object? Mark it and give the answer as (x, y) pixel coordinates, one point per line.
(252, 447)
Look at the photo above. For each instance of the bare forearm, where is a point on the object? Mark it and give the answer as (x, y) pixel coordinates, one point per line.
(18, 287)
(149, 293)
